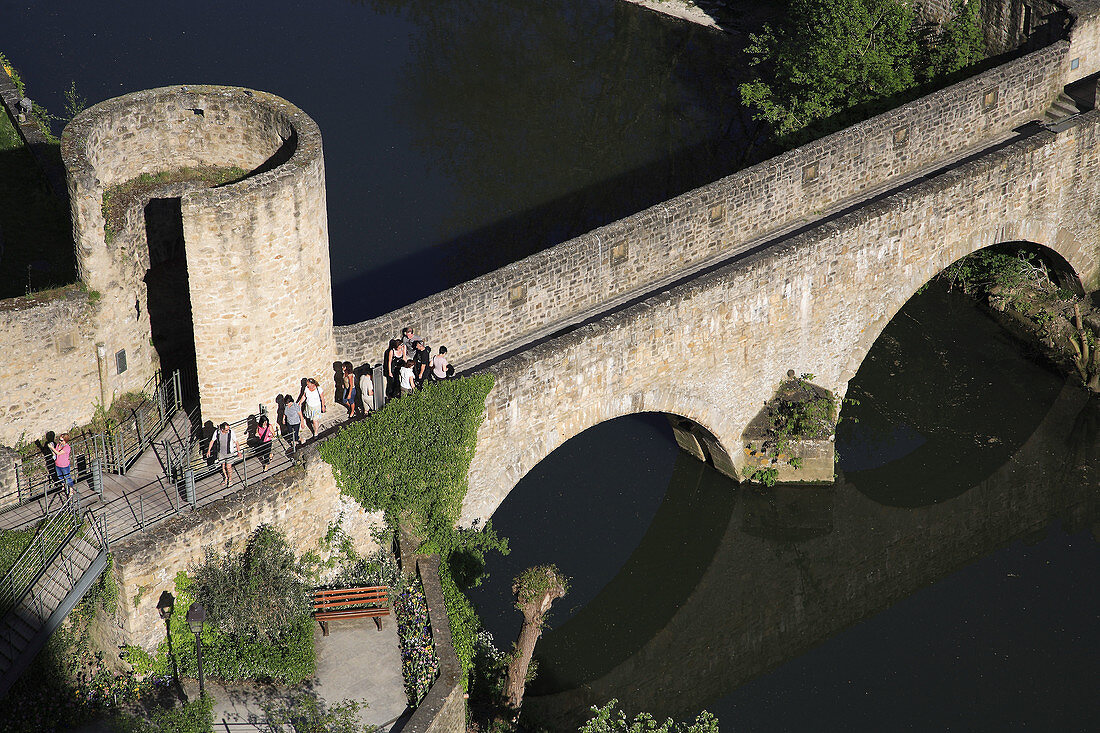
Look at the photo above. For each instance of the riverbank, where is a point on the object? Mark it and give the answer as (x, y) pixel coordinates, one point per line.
(720, 16)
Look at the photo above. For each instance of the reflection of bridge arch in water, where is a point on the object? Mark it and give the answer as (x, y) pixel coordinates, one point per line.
(777, 586)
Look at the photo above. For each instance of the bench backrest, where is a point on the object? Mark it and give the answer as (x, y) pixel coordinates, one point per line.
(347, 597)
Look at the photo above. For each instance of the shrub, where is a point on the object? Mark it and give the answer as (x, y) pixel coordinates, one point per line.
(256, 593)
(287, 657)
(609, 719)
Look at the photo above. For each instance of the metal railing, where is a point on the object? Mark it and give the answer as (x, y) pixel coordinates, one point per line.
(114, 450)
(54, 531)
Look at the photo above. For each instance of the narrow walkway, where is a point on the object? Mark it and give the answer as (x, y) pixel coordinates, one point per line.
(145, 495)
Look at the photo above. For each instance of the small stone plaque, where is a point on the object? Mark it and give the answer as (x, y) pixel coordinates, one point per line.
(989, 99)
(717, 213)
(120, 361)
(809, 173)
(619, 252)
(517, 294)
(901, 136)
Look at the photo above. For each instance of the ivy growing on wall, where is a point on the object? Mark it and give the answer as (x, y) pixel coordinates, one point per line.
(410, 460)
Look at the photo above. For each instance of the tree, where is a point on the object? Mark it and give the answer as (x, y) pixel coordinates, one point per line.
(956, 44)
(535, 589)
(827, 56)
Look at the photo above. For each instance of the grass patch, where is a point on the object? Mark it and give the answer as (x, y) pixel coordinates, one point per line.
(12, 544)
(118, 199)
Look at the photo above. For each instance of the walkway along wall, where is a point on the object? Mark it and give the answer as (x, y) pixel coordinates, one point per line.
(714, 349)
(301, 501)
(588, 274)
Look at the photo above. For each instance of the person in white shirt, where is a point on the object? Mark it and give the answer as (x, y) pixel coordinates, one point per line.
(313, 404)
(408, 379)
(439, 364)
(228, 450)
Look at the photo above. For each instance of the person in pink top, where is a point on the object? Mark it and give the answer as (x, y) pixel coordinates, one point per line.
(63, 460)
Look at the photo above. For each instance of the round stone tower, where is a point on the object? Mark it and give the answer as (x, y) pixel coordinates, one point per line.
(199, 217)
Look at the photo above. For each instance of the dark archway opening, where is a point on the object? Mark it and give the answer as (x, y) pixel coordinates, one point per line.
(169, 297)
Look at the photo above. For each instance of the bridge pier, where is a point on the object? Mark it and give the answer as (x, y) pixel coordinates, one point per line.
(695, 440)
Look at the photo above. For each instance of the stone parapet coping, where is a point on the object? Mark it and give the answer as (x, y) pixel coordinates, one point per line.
(444, 707)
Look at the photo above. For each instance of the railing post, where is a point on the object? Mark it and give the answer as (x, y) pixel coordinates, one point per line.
(106, 538)
(244, 465)
(177, 390)
(120, 457)
(19, 484)
(137, 428)
(97, 477)
(141, 509)
(189, 486)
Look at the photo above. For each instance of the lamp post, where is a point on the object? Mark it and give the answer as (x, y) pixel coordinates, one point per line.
(196, 614)
(165, 606)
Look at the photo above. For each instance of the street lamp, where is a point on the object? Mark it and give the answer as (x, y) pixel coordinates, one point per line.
(196, 614)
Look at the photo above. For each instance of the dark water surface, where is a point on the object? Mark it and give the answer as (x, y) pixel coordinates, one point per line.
(947, 582)
(459, 136)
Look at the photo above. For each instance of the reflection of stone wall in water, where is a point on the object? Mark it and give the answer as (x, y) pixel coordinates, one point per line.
(796, 568)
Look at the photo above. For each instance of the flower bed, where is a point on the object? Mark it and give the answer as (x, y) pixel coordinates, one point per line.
(419, 662)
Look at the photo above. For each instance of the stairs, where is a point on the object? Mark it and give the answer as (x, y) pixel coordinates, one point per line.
(70, 570)
(1063, 108)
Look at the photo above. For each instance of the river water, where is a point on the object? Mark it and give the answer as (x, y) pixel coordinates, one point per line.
(459, 136)
(943, 583)
(946, 581)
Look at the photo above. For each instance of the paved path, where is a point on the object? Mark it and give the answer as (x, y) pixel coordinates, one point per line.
(354, 662)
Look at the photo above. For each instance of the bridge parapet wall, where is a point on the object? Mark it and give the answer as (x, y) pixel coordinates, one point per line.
(714, 349)
(586, 274)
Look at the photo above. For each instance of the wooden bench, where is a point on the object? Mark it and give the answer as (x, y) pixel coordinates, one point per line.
(340, 603)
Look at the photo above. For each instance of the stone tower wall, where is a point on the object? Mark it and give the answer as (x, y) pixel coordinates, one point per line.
(256, 250)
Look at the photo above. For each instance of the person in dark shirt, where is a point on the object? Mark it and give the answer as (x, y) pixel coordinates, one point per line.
(422, 362)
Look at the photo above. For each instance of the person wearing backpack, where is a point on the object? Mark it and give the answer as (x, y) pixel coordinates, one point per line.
(228, 450)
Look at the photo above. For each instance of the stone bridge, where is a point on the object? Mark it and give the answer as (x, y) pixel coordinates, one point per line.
(698, 307)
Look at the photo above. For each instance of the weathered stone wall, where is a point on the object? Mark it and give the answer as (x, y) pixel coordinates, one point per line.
(256, 250)
(48, 374)
(1009, 24)
(301, 501)
(653, 247)
(443, 709)
(714, 350)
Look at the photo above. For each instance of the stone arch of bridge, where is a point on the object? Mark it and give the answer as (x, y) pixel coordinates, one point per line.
(699, 426)
(1071, 258)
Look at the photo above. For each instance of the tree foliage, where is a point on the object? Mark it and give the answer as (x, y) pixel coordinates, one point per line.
(609, 719)
(254, 593)
(827, 56)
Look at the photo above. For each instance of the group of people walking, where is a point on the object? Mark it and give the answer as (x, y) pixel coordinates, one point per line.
(407, 365)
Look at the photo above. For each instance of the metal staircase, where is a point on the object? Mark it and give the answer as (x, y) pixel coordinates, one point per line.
(61, 563)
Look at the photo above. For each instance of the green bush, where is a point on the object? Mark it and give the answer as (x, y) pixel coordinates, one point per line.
(287, 657)
(410, 459)
(609, 719)
(256, 593)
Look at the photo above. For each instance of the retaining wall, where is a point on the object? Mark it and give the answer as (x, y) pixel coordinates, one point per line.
(300, 501)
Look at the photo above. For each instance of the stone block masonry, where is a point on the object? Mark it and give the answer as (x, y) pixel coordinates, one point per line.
(584, 275)
(714, 349)
(256, 250)
(300, 501)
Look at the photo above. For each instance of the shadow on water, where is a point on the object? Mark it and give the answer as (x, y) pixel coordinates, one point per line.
(963, 446)
(672, 556)
(940, 403)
